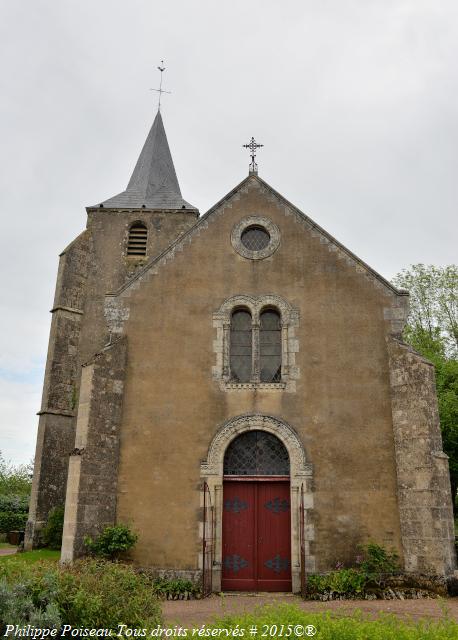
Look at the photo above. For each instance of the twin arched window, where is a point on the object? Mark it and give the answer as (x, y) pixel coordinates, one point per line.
(255, 348)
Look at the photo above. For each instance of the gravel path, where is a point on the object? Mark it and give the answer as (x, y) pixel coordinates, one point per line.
(190, 613)
(8, 552)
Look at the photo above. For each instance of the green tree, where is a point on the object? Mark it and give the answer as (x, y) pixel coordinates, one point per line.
(15, 480)
(433, 305)
(432, 329)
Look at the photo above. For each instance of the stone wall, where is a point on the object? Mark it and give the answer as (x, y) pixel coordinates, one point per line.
(93, 469)
(424, 496)
(340, 405)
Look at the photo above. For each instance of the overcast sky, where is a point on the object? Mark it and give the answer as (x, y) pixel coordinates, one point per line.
(356, 102)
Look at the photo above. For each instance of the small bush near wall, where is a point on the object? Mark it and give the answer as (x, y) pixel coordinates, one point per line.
(89, 593)
(177, 589)
(112, 542)
(343, 582)
(52, 531)
(376, 560)
(375, 576)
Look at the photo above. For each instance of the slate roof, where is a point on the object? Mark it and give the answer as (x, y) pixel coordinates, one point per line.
(154, 183)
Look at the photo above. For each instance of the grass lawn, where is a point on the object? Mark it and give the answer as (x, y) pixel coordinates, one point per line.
(267, 622)
(32, 556)
(6, 545)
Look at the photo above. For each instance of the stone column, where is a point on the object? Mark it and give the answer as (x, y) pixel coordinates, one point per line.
(256, 365)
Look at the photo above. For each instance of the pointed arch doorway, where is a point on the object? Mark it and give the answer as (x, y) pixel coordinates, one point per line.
(256, 518)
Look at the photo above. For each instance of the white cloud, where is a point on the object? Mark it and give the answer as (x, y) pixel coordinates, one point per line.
(19, 403)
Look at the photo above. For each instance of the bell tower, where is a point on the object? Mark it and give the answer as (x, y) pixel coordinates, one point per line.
(122, 234)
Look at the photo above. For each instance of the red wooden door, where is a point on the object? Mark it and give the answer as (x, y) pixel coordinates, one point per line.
(256, 536)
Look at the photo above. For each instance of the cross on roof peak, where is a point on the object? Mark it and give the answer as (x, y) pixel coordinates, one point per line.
(252, 146)
(160, 90)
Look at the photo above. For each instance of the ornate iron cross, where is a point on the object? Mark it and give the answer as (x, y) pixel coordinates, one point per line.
(252, 146)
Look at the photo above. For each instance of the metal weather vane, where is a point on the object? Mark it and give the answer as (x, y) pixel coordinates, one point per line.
(160, 90)
(252, 146)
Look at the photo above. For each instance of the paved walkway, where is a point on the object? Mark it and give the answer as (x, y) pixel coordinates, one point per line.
(191, 613)
(8, 551)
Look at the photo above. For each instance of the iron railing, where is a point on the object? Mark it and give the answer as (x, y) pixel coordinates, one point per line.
(207, 542)
(302, 542)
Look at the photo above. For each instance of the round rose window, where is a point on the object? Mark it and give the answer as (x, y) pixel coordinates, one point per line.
(255, 238)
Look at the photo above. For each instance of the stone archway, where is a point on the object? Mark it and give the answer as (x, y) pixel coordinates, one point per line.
(301, 471)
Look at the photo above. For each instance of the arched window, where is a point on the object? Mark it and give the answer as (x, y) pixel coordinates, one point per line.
(256, 453)
(241, 346)
(270, 346)
(138, 236)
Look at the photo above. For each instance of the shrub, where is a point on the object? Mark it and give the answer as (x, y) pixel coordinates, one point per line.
(349, 582)
(89, 593)
(96, 593)
(29, 599)
(52, 531)
(11, 521)
(175, 589)
(374, 563)
(112, 542)
(377, 560)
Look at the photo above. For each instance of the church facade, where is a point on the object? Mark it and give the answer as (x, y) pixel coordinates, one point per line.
(235, 388)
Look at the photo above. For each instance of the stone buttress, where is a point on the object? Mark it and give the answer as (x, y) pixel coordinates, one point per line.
(56, 430)
(424, 495)
(93, 470)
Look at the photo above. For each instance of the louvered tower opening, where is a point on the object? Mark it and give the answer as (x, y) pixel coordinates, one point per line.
(138, 236)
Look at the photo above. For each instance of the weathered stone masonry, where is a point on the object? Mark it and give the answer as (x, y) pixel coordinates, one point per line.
(93, 469)
(56, 430)
(425, 507)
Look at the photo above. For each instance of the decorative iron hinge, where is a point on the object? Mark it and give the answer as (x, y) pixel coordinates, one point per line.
(277, 506)
(235, 505)
(277, 564)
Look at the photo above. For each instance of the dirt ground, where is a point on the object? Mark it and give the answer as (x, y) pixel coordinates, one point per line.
(191, 613)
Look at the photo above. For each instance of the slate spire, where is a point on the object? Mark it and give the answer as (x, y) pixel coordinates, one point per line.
(154, 183)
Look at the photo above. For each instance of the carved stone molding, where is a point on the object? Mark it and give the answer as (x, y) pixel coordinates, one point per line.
(230, 430)
(255, 221)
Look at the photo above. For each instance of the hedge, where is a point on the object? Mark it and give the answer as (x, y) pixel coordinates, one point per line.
(14, 503)
(10, 521)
